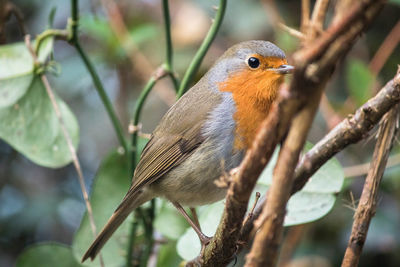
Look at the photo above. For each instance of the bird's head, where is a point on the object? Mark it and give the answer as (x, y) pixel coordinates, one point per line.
(253, 68)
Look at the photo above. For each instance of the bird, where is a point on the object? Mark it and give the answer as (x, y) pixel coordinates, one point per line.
(205, 134)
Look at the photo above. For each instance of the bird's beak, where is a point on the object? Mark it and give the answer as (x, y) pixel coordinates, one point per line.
(284, 69)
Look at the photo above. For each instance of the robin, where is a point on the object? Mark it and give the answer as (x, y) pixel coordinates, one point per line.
(204, 134)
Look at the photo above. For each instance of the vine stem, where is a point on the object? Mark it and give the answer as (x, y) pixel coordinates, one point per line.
(169, 52)
(198, 58)
(95, 77)
(136, 117)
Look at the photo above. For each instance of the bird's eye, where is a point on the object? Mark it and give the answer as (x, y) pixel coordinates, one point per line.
(253, 62)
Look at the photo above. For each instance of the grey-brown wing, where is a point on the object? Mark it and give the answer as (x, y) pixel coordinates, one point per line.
(161, 154)
(177, 136)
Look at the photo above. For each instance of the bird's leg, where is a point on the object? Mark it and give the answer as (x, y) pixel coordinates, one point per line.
(195, 225)
(195, 217)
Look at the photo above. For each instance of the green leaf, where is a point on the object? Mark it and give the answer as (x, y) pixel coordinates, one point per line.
(316, 198)
(359, 81)
(167, 255)
(169, 222)
(32, 128)
(314, 201)
(47, 255)
(17, 72)
(110, 186)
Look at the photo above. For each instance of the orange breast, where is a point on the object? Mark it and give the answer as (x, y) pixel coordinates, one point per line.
(253, 92)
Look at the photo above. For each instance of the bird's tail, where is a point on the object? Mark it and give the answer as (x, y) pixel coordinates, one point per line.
(129, 203)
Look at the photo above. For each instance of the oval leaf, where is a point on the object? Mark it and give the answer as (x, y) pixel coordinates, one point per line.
(316, 198)
(32, 128)
(16, 71)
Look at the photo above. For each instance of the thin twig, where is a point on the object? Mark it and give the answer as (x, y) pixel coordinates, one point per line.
(351, 130)
(205, 45)
(362, 169)
(251, 213)
(68, 139)
(316, 24)
(291, 31)
(305, 15)
(385, 50)
(367, 206)
(317, 18)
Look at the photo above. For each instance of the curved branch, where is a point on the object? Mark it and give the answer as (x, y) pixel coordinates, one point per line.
(73, 24)
(349, 131)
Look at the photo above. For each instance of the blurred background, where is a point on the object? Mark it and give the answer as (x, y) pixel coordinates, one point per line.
(126, 42)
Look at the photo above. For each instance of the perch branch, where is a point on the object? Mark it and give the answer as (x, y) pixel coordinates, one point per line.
(313, 68)
(271, 220)
(222, 246)
(362, 169)
(349, 131)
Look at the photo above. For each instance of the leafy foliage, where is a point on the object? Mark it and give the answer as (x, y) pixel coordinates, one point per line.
(28, 121)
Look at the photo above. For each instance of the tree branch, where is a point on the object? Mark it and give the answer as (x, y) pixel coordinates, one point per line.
(367, 205)
(313, 68)
(289, 102)
(349, 131)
